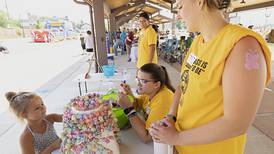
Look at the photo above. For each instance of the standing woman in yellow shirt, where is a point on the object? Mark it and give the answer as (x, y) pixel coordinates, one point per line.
(222, 83)
(154, 102)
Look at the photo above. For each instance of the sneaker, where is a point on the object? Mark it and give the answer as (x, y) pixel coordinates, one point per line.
(129, 60)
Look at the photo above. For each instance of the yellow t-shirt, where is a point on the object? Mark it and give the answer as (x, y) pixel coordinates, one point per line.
(147, 37)
(201, 84)
(158, 107)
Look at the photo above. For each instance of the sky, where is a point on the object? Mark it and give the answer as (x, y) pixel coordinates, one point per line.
(60, 8)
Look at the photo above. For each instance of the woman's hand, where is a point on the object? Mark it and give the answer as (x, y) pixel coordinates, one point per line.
(125, 88)
(124, 101)
(164, 131)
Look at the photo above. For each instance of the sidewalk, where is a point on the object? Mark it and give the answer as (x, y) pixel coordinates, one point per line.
(59, 90)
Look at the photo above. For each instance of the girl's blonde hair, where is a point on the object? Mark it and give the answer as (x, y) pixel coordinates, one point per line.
(18, 102)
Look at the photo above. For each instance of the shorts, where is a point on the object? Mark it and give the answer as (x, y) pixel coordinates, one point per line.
(89, 50)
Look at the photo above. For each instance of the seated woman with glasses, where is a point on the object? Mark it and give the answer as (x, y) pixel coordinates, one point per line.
(154, 102)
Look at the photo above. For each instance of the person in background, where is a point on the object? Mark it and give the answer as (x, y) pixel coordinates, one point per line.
(129, 40)
(89, 42)
(118, 42)
(221, 86)
(118, 34)
(147, 52)
(134, 47)
(182, 46)
(156, 94)
(189, 40)
(39, 136)
(83, 45)
(108, 41)
(123, 38)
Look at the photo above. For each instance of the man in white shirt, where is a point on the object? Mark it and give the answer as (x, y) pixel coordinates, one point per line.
(89, 42)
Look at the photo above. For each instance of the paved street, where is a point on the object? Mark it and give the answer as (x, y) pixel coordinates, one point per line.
(29, 65)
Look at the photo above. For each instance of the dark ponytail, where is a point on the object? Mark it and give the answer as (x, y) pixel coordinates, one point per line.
(167, 80)
(158, 73)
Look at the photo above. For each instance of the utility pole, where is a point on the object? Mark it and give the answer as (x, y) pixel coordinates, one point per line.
(6, 5)
(93, 33)
(22, 26)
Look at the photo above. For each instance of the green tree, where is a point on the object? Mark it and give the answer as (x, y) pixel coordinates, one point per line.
(14, 23)
(180, 25)
(38, 25)
(3, 19)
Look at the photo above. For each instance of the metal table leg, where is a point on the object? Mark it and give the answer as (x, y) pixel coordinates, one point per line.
(86, 87)
(79, 85)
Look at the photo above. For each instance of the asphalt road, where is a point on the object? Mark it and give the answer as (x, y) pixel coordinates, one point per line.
(29, 65)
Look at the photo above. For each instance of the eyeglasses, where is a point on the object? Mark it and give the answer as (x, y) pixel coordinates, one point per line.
(143, 81)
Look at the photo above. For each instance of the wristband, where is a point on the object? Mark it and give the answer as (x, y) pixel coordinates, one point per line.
(131, 114)
(128, 110)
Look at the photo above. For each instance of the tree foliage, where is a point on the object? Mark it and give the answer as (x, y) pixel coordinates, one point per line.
(3, 19)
